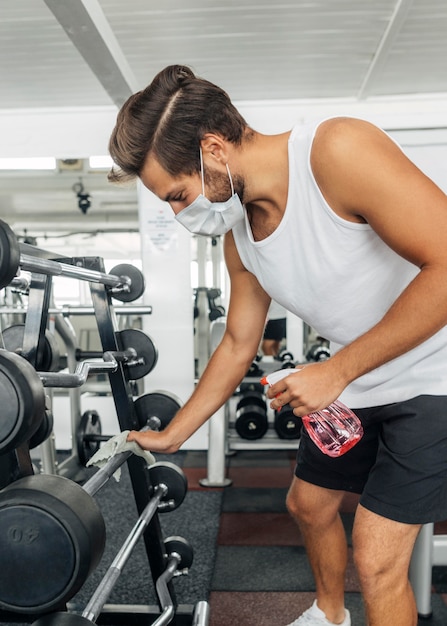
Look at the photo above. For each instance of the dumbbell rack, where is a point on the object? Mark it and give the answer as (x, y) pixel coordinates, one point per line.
(270, 440)
(107, 328)
(17, 463)
(223, 439)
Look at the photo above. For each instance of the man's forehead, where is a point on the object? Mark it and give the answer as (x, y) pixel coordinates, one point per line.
(153, 174)
(159, 181)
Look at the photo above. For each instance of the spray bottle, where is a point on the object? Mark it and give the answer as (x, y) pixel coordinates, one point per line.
(335, 429)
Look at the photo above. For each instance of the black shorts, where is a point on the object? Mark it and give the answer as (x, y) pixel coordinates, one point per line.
(399, 466)
(275, 329)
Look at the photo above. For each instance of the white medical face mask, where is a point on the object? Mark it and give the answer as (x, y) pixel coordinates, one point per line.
(204, 217)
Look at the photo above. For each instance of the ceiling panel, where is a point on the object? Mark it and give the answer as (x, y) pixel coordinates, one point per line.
(39, 66)
(417, 62)
(255, 49)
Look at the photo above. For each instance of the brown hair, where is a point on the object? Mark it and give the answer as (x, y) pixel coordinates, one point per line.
(168, 119)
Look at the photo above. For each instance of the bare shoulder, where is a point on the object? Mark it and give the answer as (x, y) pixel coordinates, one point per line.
(349, 156)
(339, 136)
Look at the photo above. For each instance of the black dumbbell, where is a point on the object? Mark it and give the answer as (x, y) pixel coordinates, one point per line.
(286, 424)
(319, 351)
(52, 533)
(251, 416)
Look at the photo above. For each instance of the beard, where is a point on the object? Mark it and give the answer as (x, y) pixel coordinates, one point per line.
(218, 187)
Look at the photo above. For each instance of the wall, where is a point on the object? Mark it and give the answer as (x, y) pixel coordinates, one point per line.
(166, 257)
(81, 132)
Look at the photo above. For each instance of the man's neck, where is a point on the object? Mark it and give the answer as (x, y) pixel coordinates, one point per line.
(266, 174)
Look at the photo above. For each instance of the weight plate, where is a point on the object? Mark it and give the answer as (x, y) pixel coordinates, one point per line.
(251, 386)
(161, 404)
(251, 422)
(9, 255)
(318, 352)
(288, 365)
(137, 284)
(286, 424)
(13, 341)
(90, 424)
(252, 398)
(175, 480)
(22, 398)
(52, 535)
(216, 312)
(182, 548)
(255, 370)
(44, 431)
(145, 349)
(285, 355)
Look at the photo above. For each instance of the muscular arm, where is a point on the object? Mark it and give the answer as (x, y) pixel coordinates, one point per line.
(229, 363)
(365, 177)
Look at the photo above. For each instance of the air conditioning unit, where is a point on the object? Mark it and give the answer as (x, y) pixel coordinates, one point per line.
(70, 165)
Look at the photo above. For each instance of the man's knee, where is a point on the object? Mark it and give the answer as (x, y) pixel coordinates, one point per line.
(311, 504)
(382, 549)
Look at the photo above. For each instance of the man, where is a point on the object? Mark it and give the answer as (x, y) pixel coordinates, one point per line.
(275, 330)
(336, 224)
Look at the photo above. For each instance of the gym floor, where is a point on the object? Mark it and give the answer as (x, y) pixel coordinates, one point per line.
(249, 559)
(261, 575)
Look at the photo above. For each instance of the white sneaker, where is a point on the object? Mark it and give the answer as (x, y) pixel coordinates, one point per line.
(315, 617)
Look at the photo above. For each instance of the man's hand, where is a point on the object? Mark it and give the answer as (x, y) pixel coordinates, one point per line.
(310, 388)
(153, 440)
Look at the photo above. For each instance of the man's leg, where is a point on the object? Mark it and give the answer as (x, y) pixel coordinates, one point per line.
(382, 553)
(270, 347)
(315, 509)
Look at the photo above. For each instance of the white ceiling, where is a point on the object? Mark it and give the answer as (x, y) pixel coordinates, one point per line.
(94, 53)
(255, 49)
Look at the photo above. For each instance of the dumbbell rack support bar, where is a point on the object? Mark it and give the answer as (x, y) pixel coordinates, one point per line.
(140, 480)
(102, 593)
(79, 377)
(55, 268)
(68, 310)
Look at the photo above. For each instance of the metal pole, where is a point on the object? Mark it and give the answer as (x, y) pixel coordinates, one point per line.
(54, 268)
(68, 310)
(68, 334)
(163, 591)
(420, 573)
(201, 614)
(217, 438)
(101, 477)
(79, 377)
(99, 598)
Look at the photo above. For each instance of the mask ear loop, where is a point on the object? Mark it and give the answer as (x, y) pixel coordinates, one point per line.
(201, 171)
(231, 180)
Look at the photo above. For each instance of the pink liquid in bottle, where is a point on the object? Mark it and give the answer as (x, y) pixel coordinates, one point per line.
(335, 430)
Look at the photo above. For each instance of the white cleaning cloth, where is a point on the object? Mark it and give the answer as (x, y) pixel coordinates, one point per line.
(115, 445)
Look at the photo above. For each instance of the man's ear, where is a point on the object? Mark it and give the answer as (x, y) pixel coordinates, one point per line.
(215, 147)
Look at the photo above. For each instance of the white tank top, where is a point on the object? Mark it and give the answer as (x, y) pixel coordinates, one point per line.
(340, 278)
